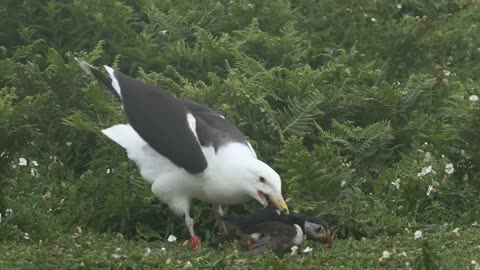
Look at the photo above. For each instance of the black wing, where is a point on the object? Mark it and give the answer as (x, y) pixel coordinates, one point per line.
(159, 118)
(276, 235)
(212, 128)
(247, 224)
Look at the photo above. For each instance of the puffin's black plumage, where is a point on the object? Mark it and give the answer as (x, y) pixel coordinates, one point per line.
(274, 235)
(314, 227)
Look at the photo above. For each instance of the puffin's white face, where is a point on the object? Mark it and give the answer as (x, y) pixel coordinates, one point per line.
(263, 182)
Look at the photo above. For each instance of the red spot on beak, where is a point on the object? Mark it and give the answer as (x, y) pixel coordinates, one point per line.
(329, 239)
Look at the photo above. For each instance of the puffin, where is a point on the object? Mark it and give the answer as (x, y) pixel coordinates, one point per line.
(186, 150)
(280, 229)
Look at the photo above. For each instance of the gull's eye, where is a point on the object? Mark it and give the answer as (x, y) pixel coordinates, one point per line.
(261, 179)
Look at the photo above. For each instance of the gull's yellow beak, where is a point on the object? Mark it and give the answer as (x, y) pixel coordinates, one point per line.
(279, 203)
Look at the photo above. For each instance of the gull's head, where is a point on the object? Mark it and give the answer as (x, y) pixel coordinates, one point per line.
(264, 185)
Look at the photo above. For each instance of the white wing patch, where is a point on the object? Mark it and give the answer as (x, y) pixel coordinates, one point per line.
(115, 83)
(192, 124)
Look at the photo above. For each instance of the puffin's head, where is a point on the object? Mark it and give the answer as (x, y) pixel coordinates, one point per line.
(317, 229)
(265, 185)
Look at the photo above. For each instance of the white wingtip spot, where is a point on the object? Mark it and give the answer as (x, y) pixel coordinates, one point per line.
(192, 124)
(115, 83)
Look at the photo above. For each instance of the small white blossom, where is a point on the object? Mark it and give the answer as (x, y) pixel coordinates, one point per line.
(8, 212)
(172, 238)
(147, 252)
(446, 72)
(68, 143)
(399, 6)
(188, 265)
(374, 20)
(108, 171)
(425, 171)
(473, 98)
(26, 236)
(4, 154)
(118, 249)
(404, 254)
(163, 249)
(473, 262)
(22, 162)
(116, 256)
(294, 250)
(443, 156)
(417, 234)
(343, 183)
(425, 143)
(396, 183)
(385, 254)
(34, 163)
(455, 231)
(449, 168)
(429, 190)
(34, 172)
(307, 250)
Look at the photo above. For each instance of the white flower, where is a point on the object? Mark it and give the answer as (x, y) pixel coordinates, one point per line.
(8, 212)
(425, 171)
(307, 250)
(163, 249)
(385, 254)
(396, 183)
(473, 262)
(294, 250)
(68, 143)
(343, 183)
(22, 162)
(429, 190)
(34, 172)
(118, 249)
(34, 163)
(374, 20)
(147, 252)
(404, 254)
(399, 6)
(417, 234)
(3, 154)
(455, 231)
(446, 72)
(172, 238)
(26, 236)
(116, 256)
(473, 98)
(188, 265)
(449, 168)
(108, 170)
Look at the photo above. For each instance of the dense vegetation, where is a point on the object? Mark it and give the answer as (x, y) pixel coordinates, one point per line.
(367, 109)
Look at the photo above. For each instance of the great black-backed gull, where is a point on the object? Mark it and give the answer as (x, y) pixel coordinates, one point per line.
(187, 151)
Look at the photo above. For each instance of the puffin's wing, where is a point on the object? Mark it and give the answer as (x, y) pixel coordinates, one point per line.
(160, 119)
(248, 223)
(277, 235)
